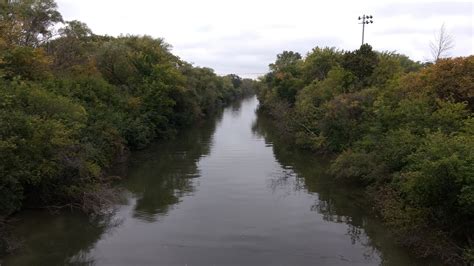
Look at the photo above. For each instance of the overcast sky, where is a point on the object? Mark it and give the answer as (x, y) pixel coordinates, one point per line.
(244, 36)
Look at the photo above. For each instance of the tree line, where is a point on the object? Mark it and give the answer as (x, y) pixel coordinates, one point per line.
(73, 102)
(402, 129)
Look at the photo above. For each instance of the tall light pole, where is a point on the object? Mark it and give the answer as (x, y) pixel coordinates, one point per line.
(366, 19)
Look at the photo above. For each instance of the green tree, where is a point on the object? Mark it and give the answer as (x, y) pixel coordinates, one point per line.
(319, 62)
(34, 19)
(361, 62)
(285, 75)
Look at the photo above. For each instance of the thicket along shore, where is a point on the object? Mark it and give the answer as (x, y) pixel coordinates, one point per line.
(399, 128)
(72, 105)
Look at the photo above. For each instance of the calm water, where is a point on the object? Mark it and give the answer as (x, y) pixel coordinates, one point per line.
(229, 192)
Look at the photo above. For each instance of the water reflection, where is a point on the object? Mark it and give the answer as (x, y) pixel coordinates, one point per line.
(306, 171)
(59, 239)
(159, 176)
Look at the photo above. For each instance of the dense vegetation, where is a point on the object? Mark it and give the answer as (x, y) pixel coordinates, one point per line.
(73, 103)
(402, 129)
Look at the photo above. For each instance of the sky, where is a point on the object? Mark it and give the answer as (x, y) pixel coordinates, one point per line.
(244, 36)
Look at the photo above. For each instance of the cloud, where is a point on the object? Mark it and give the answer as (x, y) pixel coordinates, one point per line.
(426, 9)
(465, 31)
(204, 28)
(245, 36)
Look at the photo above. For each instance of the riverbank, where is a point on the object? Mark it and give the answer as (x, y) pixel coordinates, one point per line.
(97, 200)
(399, 129)
(73, 105)
(381, 201)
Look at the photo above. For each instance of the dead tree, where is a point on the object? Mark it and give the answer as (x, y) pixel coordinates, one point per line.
(442, 43)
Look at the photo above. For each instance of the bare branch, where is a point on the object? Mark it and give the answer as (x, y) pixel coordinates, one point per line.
(443, 42)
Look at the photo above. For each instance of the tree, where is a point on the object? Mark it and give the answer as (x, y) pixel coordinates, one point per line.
(361, 63)
(319, 62)
(34, 19)
(236, 80)
(288, 62)
(442, 43)
(76, 29)
(285, 75)
(72, 50)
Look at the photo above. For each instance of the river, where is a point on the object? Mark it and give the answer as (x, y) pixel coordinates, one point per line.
(229, 191)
